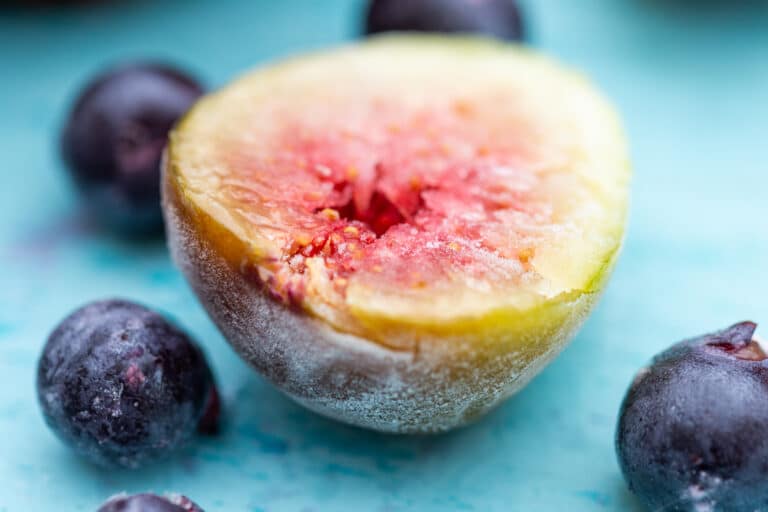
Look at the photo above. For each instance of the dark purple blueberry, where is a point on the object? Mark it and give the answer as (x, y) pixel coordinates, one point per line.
(114, 137)
(122, 385)
(149, 503)
(692, 429)
(496, 18)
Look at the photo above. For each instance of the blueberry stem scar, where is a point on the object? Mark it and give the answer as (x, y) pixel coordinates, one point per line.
(740, 342)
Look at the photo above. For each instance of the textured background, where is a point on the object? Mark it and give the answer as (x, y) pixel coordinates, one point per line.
(691, 78)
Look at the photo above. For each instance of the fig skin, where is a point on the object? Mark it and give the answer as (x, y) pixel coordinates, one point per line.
(450, 375)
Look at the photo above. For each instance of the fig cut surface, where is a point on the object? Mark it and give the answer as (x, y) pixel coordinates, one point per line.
(402, 232)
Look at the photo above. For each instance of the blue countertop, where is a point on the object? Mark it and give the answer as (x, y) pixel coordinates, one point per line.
(691, 79)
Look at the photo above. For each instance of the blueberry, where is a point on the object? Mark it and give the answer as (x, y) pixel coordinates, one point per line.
(122, 385)
(114, 137)
(496, 18)
(149, 503)
(691, 431)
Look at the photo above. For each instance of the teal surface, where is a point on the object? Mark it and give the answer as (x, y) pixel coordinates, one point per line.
(691, 79)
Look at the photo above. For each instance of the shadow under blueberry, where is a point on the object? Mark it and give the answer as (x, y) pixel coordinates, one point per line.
(78, 228)
(627, 501)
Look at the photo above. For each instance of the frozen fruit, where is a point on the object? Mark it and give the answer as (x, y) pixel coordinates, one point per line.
(149, 503)
(497, 18)
(114, 137)
(400, 233)
(691, 432)
(121, 384)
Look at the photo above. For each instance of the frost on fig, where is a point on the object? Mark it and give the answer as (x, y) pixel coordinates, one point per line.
(403, 248)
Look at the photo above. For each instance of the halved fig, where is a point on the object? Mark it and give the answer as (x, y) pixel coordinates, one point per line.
(400, 233)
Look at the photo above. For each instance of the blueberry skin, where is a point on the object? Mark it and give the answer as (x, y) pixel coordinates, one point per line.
(121, 385)
(113, 139)
(692, 429)
(149, 503)
(495, 18)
